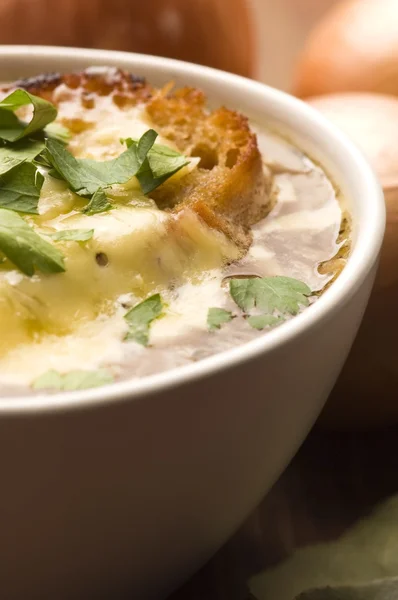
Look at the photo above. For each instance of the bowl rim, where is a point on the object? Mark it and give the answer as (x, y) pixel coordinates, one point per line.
(359, 264)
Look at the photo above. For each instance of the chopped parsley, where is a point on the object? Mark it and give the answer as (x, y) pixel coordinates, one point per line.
(99, 203)
(72, 235)
(276, 298)
(20, 188)
(86, 176)
(151, 164)
(58, 132)
(158, 162)
(140, 317)
(12, 155)
(74, 380)
(269, 294)
(12, 128)
(217, 317)
(260, 322)
(25, 248)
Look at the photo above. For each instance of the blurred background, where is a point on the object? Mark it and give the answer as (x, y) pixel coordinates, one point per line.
(257, 38)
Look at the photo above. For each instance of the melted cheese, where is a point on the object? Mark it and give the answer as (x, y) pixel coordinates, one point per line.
(75, 320)
(98, 342)
(146, 249)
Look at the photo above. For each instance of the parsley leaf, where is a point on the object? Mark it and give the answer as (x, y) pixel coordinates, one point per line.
(11, 127)
(86, 176)
(217, 317)
(12, 156)
(282, 294)
(260, 322)
(161, 162)
(20, 188)
(74, 380)
(144, 144)
(72, 235)
(25, 248)
(99, 203)
(165, 161)
(56, 131)
(140, 317)
(50, 379)
(151, 164)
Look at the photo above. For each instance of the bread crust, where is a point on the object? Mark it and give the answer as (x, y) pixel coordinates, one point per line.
(228, 190)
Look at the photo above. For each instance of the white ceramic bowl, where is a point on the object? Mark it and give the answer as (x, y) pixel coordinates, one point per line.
(122, 492)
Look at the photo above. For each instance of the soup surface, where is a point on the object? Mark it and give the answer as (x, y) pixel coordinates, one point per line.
(130, 281)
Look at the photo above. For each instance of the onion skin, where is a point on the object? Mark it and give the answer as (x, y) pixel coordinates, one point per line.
(366, 394)
(216, 33)
(280, 29)
(353, 48)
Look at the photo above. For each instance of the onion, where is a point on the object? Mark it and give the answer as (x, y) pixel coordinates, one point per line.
(210, 32)
(280, 29)
(353, 48)
(367, 391)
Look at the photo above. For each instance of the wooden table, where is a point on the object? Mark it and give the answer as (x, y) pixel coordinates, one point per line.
(333, 480)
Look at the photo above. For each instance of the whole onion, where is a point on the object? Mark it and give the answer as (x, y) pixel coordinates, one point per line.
(367, 391)
(353, 48)
(211, 32)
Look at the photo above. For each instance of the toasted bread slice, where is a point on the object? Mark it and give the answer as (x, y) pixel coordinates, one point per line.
(228, 190)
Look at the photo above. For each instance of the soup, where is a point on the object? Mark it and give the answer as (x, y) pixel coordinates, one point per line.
(140, 231)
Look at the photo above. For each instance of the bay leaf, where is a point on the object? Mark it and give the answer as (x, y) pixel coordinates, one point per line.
(366, 552)
(384, 589)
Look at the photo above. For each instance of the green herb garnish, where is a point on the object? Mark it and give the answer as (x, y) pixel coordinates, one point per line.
(72, 235)
(282, 294)
(277, 297)
(99, 203)
(165, 161)
(217, 317)
(13, 155)
(74, 380)
(158, 162)
(56, 131)
(20, 188)
(11, 127)
(85, 176)
(25, 248)
(143, 145)
(151, 164)
(140, 317)
(260, 322)
(20, 182)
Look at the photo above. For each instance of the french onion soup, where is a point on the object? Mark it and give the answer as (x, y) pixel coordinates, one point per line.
(140, 230)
